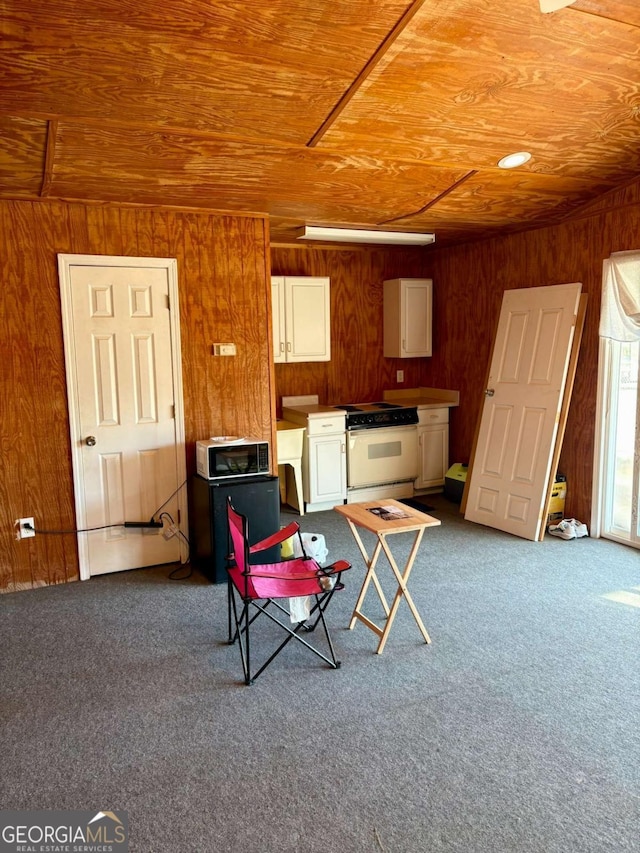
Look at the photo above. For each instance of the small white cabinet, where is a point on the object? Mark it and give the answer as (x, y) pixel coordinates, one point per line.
(408, 304)
(326, 471)
(324, 456)
(433, 447)
(301, 318)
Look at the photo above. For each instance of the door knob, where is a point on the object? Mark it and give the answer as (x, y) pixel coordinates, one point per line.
(489, 392)
(90, 440)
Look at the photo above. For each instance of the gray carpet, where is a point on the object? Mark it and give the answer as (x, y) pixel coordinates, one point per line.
(517, 729)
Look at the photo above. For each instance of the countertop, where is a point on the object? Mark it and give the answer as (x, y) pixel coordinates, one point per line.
(423, 398)
(282, 425)
(313, 410)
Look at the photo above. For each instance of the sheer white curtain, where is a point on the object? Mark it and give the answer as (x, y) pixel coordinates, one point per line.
(620, 310)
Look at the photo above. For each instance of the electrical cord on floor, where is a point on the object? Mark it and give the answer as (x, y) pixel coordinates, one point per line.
(173, 527)
(74, 530)
(133, 524)
(173, 575)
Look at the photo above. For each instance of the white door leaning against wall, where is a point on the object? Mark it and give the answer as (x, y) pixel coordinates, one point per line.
(519, 419)
(122, 352)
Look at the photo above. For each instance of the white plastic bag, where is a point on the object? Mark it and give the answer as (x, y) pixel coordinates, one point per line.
(314, 545)
(299, 608)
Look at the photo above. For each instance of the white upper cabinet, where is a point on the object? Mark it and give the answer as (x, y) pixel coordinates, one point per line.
(301, 318)
(407, 317)
(277, 312)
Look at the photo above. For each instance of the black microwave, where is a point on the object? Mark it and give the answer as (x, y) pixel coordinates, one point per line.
(221, 457)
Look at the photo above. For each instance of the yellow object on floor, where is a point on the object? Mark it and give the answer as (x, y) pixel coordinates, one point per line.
(286, 548)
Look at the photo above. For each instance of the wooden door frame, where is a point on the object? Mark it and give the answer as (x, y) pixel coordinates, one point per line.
(65, 262)
(601, 472)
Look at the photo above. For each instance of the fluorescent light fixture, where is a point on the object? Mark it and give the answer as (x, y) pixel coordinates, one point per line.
(361, 235)
(511, 161)
(554, 5)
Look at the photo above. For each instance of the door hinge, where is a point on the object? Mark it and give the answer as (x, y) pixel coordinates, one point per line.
(172, 411)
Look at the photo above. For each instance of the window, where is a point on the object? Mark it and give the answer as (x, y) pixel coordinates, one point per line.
(621, 443)
(617, 462)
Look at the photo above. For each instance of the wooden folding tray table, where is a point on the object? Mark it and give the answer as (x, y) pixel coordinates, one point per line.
(399, 519)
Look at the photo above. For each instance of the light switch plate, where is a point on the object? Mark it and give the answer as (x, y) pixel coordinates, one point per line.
(224, 349)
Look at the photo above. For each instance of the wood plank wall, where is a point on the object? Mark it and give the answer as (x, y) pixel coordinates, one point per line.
(224, 296)
(469, 282)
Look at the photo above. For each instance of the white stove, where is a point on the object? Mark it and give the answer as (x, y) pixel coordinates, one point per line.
(382, 450)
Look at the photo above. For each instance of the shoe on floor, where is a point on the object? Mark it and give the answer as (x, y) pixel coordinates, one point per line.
(579, 527)
(564, 529)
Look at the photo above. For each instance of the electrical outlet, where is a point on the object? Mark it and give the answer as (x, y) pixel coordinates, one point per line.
(399, 375)
(24, 528)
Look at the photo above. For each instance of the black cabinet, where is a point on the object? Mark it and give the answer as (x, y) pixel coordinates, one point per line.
(256, 497)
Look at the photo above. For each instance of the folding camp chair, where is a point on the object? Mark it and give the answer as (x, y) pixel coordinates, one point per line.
(255, 590)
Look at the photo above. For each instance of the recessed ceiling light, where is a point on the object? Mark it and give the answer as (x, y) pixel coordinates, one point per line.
(513, 160)
(362, 235)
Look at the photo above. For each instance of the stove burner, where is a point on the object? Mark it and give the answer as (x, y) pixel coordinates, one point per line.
(378, 415)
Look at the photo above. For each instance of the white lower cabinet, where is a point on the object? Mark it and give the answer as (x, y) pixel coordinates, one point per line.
(433, 448)
(326, 471)
(324, 455)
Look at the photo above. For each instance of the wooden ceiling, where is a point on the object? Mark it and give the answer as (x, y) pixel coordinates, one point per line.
(367, 113)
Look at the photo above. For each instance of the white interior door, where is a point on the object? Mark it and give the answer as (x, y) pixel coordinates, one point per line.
(125, 397)
(519, 420)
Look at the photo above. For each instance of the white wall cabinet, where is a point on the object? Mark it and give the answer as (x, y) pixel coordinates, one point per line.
(433, 448)
(301, 318)
(408, 306)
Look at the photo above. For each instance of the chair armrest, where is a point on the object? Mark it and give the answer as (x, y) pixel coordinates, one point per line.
(302, 576)
(338, 566)
(276, 538)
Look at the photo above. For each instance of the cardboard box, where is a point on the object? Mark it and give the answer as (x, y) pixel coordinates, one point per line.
(558, 496)
(454, 481)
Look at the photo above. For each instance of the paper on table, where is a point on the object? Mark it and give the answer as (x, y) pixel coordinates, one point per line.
(388, 513)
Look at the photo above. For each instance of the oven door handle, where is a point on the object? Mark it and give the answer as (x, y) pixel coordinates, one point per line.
(374, 430)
